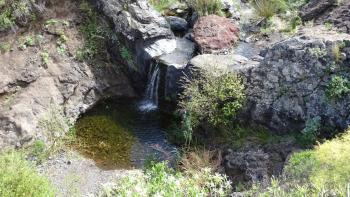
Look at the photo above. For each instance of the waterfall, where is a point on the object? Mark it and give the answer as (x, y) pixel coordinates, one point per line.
(150, 99)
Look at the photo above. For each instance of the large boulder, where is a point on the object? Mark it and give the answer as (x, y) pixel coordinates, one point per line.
(215, 34)
(177, 24)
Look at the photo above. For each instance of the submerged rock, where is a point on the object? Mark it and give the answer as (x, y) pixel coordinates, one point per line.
(215, 34)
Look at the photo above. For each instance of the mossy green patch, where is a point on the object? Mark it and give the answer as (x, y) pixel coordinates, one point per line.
(106, 142)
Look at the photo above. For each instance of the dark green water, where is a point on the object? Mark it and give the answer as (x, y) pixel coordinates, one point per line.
(118, 135)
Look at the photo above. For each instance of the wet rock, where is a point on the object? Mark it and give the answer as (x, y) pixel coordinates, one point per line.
(177, 24)
(215, 34)
(175, 63)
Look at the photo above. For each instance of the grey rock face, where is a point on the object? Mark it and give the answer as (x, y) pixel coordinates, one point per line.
(28, 91)
(334, 12)
(139, 24)
(257, 163)
(135, 19)
(315, 8)
(289, 86)
(246, 166)
(177, 24)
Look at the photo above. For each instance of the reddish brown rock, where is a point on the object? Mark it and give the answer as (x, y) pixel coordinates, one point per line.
(215, 34)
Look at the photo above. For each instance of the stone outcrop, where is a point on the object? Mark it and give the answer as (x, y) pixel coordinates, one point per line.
(339, 17)
(328, 11)
(247, 166)
(257, 163)
(290, 85)
(140, 26)
(316, 8)
(215, 34)
(28, 91)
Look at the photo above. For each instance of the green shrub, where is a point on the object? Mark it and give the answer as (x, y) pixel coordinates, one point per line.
(214, 98)
(160, 180)
(309, 133)
(318, 52)
(45, 56)
(12, 9)
(338, 87)
(207, 7)
(94, 32)
(4, 47)
(18, 178)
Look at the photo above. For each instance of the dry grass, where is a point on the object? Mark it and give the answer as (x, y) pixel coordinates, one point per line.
(198, 159)
(267, 8)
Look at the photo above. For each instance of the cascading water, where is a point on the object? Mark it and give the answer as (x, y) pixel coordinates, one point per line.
(150, 100)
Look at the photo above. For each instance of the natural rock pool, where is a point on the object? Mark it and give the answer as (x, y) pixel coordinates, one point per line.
(116, 134)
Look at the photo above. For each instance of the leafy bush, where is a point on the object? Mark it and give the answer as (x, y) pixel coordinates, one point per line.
(94, 32)
(12, 10)
(309, 133)
(160, 180)
(338, 87)
(207, 7)
(18, 178)
(323, 171)
(214, 97)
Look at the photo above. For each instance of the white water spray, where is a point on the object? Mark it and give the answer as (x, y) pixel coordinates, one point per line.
(150, 100)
